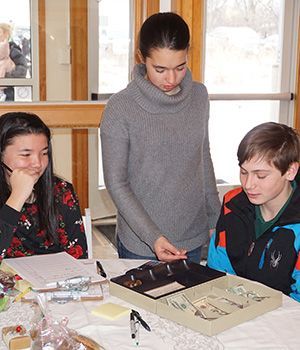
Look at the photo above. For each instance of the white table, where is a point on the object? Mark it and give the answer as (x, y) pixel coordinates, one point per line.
(279, 329)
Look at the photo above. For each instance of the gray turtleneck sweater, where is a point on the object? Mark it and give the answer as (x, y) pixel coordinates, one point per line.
(157, 164)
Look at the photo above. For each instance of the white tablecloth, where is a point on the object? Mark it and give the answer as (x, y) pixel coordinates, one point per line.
(279, 329)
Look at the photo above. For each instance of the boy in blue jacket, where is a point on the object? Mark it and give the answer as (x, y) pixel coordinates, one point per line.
(258, 232)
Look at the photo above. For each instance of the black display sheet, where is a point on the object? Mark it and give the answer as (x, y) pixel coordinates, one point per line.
(155, 274)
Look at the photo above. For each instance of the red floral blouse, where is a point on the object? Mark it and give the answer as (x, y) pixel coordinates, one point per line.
(20, 234)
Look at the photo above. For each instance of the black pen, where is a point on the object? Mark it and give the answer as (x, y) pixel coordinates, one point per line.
(132, 326)
(100, 269)
(139, 318)
(6, 167)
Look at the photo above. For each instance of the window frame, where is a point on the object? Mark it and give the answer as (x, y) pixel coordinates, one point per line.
(33, 82)
(93, 57)
(289, 111)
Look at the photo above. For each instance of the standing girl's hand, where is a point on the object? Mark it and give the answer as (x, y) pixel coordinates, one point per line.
(21, 181)
(165, 251)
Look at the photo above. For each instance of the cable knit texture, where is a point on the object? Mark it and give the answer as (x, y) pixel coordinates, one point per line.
(157, 164)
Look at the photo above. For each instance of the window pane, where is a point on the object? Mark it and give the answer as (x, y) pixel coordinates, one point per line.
(16, 93)
(114, 45)
(243, 45)
(15, 39)
(229, 122)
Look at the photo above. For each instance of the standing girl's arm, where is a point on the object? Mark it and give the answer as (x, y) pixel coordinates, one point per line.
(213, 204)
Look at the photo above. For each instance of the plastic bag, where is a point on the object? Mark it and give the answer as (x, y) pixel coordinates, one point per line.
(49, 334)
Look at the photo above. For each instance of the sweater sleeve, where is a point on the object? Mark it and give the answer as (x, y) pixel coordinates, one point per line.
(8, 224)
(213, 204)
(115, 153)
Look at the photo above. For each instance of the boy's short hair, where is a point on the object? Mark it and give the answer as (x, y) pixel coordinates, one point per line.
(276, 143)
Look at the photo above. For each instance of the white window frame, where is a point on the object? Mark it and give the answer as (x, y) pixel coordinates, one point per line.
(290, 19)
(33, 82)
(93, 40)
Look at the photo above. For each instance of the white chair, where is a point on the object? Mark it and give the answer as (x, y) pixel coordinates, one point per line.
(87, 222)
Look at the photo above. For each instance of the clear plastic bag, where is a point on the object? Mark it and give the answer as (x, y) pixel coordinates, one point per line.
(49, 334)
(53, 335)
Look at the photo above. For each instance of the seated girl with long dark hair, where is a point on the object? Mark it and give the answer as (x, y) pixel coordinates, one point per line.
(39, 212)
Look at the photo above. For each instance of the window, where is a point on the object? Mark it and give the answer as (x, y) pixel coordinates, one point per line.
(113, 46)
(247, 52)
(16, 55)
(110, 52)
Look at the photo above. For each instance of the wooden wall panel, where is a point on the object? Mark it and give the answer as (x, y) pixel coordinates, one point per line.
(192, 11)
(79, 48)
(142, 10)
(152, 7)
(139, 16)
(61, 115)
(42, 51)
(79, 74)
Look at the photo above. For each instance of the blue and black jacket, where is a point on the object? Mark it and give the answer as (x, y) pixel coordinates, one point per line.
(272, 259)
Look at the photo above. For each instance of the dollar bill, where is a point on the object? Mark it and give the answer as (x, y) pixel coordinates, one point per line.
(203, 307)
(241, 291)
(181, 302)
(208, 308)
(228, 301)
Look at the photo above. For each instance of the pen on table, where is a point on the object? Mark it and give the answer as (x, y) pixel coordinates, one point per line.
(140, 319)
(133, 328)
(100, 269)
(6, 167)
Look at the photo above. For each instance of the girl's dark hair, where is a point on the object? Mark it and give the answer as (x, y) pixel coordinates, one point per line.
(276, 143)
(16, 124)
(163, 30)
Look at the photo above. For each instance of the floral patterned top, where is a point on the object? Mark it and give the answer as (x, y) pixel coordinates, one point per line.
(20, 234)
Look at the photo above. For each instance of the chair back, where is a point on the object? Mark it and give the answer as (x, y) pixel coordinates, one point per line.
(87, 222)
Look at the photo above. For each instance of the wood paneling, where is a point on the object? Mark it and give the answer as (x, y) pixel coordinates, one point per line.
(152, 7)
(79, 73)
(61, 115)
(79, 46)
(80, 166)
(142, 10)
(139, 16)
(192, 11)
(42, 51)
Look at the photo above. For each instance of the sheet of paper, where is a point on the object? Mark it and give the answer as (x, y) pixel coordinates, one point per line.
(43, 271)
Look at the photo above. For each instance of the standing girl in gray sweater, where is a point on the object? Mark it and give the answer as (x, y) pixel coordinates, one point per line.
(156, 158)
